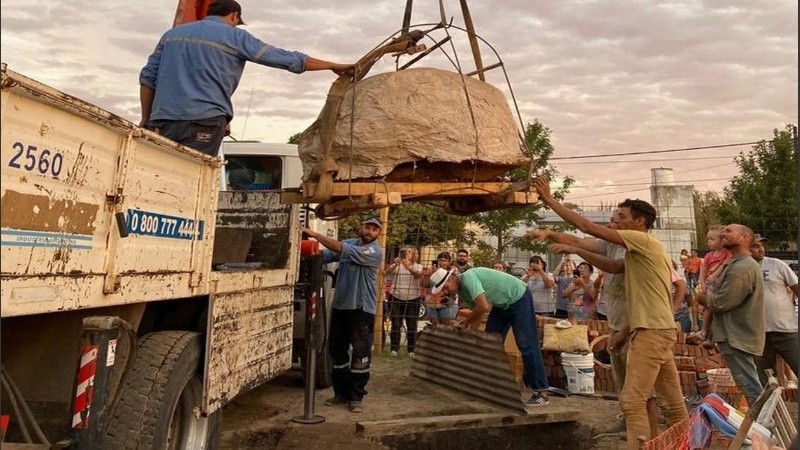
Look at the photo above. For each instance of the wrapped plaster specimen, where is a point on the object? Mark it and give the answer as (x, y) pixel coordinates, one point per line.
(416, 125)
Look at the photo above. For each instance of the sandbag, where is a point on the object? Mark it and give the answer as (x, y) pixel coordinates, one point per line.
(417, 118)
(568, 340)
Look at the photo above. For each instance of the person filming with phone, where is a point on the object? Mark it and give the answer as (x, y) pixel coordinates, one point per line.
(581, 294)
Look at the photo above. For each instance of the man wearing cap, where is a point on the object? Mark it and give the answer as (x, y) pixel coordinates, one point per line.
(186, 86)
(353, 310)
(780, 311)
(483, 289)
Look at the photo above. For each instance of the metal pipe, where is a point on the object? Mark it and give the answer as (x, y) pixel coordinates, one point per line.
(485, 69)
(425, 53)
(311, 272)
(26, 435)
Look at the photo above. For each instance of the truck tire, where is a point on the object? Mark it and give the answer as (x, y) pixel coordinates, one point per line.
(161, 395)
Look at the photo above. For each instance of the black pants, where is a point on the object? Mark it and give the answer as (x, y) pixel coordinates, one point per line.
(204, 135)
(351, 328)
(784, 344)
(404, 311)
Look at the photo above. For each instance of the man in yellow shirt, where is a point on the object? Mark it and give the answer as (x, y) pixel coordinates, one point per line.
(651, 332)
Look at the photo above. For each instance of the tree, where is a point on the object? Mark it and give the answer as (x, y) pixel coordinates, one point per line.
(416, 224)
(706, 213)
(764, 195)
(501, 224)
(294, 139)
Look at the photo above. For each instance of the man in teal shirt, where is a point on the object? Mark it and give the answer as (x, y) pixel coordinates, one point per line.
(511, 306)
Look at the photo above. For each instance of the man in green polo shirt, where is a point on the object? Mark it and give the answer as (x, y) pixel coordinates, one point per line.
(651, 331)
(510, 305)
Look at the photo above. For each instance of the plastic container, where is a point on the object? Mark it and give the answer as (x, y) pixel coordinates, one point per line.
(580, 372)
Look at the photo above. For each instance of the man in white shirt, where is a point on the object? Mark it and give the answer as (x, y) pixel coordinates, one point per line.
(780, 310)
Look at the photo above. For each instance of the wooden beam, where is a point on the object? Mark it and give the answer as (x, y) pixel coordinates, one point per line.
(353, 205)
(463, 422)
(408, 191)
(292, 198)
(465, 206)
(473, 41)
(343, 188)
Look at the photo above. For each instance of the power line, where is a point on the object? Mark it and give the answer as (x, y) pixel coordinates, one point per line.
(702, 158)
(652, 152)
(646, 183)
(649, 178)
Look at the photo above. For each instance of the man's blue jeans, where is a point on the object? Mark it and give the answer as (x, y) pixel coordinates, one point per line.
(520, 317)
(685, 320)
(743, 370)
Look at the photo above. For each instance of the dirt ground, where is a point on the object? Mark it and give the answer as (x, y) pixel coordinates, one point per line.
(261, 419)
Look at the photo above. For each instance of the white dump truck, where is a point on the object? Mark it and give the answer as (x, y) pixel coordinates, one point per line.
(112, 235)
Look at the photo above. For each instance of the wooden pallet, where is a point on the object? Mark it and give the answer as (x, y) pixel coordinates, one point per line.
(461, 198)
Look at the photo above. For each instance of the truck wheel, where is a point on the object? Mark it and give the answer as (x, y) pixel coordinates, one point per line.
(162, 396)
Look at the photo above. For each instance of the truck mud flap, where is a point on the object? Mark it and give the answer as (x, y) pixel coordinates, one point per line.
(472, 362)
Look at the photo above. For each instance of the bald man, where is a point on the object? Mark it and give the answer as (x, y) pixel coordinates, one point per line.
(737, 305)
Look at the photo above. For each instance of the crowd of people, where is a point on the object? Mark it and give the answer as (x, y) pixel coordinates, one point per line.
(625, 277)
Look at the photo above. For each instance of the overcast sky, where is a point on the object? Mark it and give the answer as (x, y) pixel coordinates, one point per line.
(604, 76)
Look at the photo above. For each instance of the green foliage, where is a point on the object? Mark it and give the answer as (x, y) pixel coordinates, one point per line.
(416, 224)
(706, 213)
(483, 255)
(501, 224)
(764, 195)
(294, 139)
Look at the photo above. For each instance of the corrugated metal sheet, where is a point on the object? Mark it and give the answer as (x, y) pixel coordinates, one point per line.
(473, 362)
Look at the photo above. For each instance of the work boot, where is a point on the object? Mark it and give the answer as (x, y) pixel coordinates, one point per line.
(355, 406)
(335, 401)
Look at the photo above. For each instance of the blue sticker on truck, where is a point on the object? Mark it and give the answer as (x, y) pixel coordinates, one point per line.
(161, 225)
(27, 238)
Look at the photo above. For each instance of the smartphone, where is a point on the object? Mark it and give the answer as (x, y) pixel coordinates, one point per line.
(576, 273)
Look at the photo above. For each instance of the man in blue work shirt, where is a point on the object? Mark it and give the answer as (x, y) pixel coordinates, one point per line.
(511, 305)
(187, 83)
(353, 315)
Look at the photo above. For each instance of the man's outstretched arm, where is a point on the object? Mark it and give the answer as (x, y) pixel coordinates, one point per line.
(330, 243)
(602, 262)
(587, 226)
(589, 244)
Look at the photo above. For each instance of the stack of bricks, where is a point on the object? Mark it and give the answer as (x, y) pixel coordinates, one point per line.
(603, 374)
(693, 362)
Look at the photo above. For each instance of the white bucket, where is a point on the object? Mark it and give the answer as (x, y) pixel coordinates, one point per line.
(580, 372)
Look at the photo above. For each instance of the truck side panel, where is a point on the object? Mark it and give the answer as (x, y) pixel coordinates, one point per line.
(250, 320)
(69, 171)
(250, 341)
